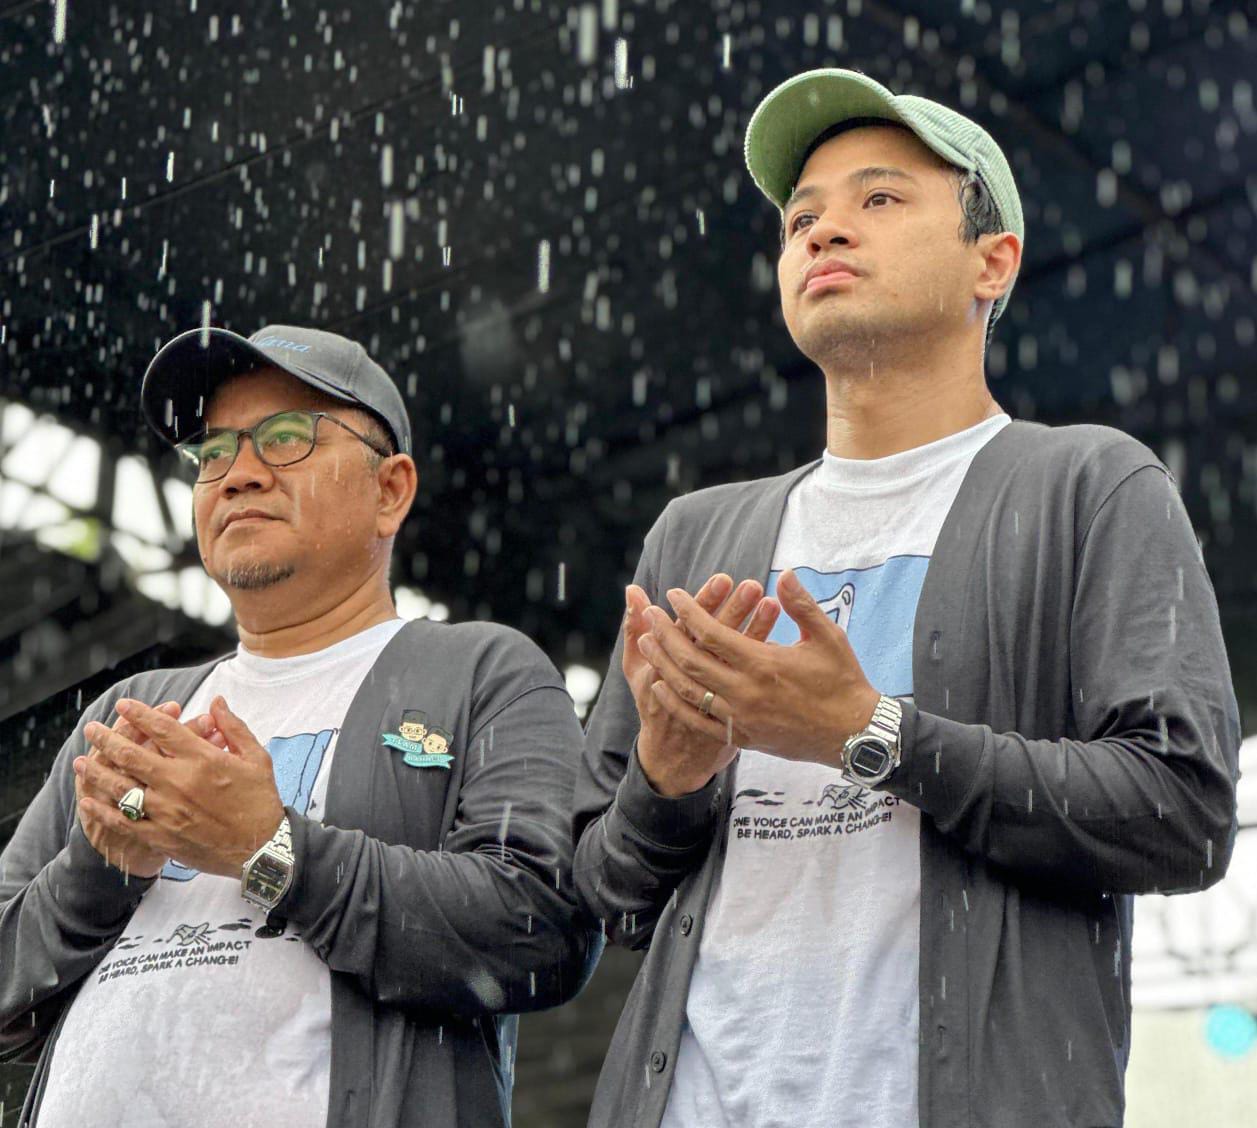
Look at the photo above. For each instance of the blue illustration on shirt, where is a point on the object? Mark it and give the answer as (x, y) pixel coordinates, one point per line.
(297, 760)
(876, 607)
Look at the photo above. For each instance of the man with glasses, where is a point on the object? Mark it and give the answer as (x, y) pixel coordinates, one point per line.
(285, 910)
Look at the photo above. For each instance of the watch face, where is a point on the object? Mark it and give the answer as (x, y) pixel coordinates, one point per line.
(268, 878)
(869, 758)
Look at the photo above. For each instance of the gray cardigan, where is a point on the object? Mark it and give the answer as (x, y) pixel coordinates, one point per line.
(440, 900)
(1074, 740)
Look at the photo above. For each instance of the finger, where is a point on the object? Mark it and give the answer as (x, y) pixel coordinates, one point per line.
(714, 591)
(635, 602)
(763, 619)
(170, 736)
(739, 605)
(693, 692)
(683, 712)
(723, 641)
(701, 662)
(101, 781)
(235, 732)
(797, 602)
(120, 829)
(126, 729)
(131, 759)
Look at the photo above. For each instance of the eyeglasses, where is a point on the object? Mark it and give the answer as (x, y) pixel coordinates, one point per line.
(282, 439)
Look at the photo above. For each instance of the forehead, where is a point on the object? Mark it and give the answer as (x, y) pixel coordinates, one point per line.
(250, 396)
(877, 145)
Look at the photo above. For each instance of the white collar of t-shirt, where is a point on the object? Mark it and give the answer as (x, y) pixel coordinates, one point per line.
(279, 671)
(873, 475)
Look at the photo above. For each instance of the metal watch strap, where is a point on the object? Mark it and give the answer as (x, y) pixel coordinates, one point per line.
(281, 840)
(887, 718)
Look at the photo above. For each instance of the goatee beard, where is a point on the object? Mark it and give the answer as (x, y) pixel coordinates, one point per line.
(255, 577)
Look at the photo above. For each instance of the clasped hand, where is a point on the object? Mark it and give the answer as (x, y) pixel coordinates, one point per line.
(799, 702)
(210, 798)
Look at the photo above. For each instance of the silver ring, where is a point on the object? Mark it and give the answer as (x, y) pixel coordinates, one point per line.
(705, 707)
(132, 804)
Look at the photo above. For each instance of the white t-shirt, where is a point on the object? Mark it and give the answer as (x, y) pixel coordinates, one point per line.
(803, 1006)
(198, 1016)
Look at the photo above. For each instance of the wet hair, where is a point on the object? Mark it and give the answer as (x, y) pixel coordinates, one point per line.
(978, 214)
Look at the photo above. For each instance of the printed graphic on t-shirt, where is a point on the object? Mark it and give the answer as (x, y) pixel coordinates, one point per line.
(875, 606)
(297, 760)
(841, 809)
(192, 944)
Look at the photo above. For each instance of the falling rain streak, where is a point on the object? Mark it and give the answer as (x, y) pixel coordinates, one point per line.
(543, 266)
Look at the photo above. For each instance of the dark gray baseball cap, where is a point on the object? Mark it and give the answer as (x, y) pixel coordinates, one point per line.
(183, 375)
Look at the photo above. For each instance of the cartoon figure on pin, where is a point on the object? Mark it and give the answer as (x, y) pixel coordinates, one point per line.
(423, 745)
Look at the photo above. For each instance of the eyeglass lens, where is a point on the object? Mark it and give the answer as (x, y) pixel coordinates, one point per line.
(279, 440)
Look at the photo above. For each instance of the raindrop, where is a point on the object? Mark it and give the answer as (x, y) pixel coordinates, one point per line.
(587, 34)
(543, 266)
(622, 79)
(58, 21)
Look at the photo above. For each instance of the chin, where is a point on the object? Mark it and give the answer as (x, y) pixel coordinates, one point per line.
(253, 573)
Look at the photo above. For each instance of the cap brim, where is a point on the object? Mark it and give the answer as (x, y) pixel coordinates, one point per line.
(182, 376)
(793, 115)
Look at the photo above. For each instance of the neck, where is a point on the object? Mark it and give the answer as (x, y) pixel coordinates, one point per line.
(280, 630)
(881, 405)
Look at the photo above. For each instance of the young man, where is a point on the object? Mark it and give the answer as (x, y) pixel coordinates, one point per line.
(288, 911)
(881, 846)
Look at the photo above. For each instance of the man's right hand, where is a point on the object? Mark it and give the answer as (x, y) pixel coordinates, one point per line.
(130, 858)
(675, 760)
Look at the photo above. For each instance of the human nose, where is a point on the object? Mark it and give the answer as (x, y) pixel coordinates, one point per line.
(248, 471)
(829, 230)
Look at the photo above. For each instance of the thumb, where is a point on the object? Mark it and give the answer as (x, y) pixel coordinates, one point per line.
(635, 602)
(239, 739)
(797, 602)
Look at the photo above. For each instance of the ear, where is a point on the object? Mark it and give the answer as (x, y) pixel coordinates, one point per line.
(1001, 255)
(398, 481)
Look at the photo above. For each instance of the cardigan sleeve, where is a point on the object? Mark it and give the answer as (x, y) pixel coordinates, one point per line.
(61, 905)
(1142, 799)
(488, 924)
(634, 846)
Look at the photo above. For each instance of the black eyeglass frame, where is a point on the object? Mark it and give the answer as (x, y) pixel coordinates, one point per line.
(185, 448)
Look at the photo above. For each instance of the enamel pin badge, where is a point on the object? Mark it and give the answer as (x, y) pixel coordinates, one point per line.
(422, 745)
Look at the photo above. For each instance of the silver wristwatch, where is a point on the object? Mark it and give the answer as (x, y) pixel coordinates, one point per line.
(870, 756)
(267, 875)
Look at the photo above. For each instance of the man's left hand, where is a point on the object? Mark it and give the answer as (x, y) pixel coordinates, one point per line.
(800, 702)
(207, 807)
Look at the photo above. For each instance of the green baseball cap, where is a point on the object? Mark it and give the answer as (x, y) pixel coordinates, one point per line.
(794, 114)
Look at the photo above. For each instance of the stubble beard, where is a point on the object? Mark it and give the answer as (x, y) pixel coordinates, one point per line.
(256, 575)
(851, 343)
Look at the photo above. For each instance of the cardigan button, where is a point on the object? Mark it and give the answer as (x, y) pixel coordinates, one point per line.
(658, 1060)
(687, 924)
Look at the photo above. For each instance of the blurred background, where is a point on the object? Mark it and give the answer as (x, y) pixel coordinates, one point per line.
(536, 216)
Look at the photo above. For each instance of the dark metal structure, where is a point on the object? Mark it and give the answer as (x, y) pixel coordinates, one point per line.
(535, 214)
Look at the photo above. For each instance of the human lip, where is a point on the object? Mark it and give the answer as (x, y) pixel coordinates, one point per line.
(828, 272)
(246, 515)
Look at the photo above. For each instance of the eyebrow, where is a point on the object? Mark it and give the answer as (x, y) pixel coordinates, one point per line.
(859, 176)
